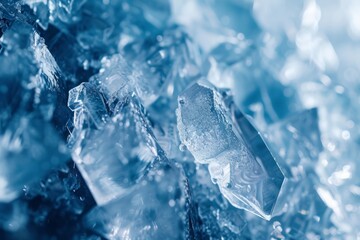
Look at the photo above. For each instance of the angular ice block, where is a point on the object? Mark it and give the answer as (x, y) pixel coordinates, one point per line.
(114, 155)
(239, 161)
(158, 207)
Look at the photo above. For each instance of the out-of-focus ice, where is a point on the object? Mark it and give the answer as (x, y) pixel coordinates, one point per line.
(256, 90)
(13, 216)
(29, 144)
(219, 135)
(211, 23)
(325, 34)
(297, 141)
(23, 156)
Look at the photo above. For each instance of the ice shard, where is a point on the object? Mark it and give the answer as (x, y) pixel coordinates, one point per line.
(218, 134)
(239, 67)
(297, 141)
(158, 207)
(111, 153)
(169, 61)
(88, 104)
(118, 78)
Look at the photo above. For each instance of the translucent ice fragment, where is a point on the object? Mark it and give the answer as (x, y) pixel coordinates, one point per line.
(34, 84)
(307, 213)
(218, 134)
(158, 207)
(117, 78)
(29, 84)
(88, 104)
(239, 67)
(160, 65)
(297, 139)
(220, 220)
(170, 60)
(29, 148)
(114, 156)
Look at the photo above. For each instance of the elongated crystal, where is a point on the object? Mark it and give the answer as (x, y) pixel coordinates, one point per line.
(219, 135)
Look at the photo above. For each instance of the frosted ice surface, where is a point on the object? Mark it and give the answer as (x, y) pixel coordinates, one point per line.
(221, 136)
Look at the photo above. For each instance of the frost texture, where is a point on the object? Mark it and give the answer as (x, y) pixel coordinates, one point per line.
(238, 159)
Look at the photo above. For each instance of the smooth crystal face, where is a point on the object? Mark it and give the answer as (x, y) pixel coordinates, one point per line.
(158, 207)
(238, 160)
(113, 153)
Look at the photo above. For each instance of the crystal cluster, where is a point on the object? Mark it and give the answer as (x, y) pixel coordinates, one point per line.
(179, 119)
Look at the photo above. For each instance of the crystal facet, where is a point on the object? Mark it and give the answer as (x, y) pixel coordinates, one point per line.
(111, 166)
(219, 135)
(136, 215)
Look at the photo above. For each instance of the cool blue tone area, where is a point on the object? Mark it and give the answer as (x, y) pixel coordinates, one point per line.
(179, 119)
